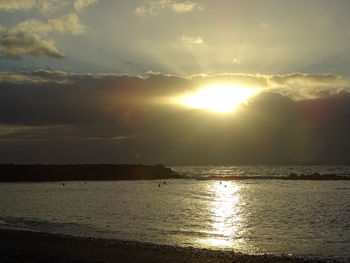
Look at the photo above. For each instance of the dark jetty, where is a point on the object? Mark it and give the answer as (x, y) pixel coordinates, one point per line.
(292, 176)
(83, 172)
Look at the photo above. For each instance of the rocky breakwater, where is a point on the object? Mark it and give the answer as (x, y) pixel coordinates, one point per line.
(83, 172)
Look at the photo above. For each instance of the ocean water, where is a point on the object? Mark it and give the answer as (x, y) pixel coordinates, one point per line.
(299, 218)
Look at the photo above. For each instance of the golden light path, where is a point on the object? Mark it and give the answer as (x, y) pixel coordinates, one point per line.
(227, 224)
(219, 97)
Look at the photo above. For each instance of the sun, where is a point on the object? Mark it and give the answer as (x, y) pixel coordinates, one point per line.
(219, 98)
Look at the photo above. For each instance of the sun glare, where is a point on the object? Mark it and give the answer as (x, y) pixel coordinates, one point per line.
(220, 98)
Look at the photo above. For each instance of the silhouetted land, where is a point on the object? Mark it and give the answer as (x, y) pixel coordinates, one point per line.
(106, 172)
(293, 176)
(86, 172)
(22, 246)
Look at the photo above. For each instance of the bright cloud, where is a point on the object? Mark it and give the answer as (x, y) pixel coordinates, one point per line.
(81, 4)
(189, 41)
(264, 25)
(44, 6)
(187, 6)
(12, 5)
(68, 24)
(155, 7)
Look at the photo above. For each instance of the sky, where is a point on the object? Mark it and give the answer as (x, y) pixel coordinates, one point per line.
(105, 81)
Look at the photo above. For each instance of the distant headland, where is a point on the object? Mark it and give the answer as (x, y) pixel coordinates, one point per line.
(292, 176)
(83, 172)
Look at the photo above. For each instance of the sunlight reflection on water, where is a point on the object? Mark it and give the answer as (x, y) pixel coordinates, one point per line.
(227, 222)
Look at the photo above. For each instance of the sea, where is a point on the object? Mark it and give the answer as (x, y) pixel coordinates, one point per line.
(309, 219)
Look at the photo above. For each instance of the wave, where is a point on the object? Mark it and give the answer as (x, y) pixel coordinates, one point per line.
(40, 225)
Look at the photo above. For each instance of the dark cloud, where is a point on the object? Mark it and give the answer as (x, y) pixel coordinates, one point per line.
(17, 44)
(49, 116)
(30, 36)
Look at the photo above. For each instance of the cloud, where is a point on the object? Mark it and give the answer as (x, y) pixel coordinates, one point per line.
(308, 84)
(49, 7)
(26, 38)
(46, 7)
(183, 7)
(155, 7)
(35, 77)
(264, 25)
(235, 61)
(18, 44)
(40, 133)
(281, 83)
(113, 118)
(151, 8)
(298, 86)
(31, 25)
(33, 32)
(189, 41)
(82, 4)
(2, 28)
(67, 24)
(68, 97)
(13, 5)
(23, 133)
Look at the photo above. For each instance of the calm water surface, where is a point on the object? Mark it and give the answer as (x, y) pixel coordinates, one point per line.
(304, 218)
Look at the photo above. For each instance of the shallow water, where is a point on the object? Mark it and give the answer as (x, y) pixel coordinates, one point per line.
(304, 218)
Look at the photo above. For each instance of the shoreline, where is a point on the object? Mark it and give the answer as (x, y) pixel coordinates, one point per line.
(27, 246)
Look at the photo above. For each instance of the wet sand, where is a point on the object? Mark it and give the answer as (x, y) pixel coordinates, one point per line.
(25, 246)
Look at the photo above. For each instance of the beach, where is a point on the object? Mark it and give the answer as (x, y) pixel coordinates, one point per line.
(26, 246)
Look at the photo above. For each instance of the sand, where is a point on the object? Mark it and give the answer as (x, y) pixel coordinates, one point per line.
(25, 246)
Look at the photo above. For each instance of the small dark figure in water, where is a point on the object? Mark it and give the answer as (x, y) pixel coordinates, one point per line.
(158, 185)
(63, 184)
(85, 182)
(164, 182)
(220, 183)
